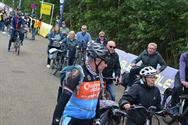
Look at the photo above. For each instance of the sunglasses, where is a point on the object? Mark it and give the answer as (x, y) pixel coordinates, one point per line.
(101, 36)
(112, 47)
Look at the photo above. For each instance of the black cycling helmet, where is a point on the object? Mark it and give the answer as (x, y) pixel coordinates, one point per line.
(97, 50)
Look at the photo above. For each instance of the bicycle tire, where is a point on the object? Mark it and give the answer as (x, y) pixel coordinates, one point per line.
(15, 46)
(18, 49)
(54, 67)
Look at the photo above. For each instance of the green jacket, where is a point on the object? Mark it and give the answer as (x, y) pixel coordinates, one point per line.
(151, 60)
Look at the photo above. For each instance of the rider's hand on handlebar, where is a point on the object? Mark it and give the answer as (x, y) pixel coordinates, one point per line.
(127, 106)
(185, 83)
(133, 65)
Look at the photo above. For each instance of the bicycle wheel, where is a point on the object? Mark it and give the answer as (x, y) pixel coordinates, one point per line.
(18, 48)
(15, 46)
(54, 67)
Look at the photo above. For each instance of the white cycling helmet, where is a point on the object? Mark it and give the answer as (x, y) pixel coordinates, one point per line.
(148, 71)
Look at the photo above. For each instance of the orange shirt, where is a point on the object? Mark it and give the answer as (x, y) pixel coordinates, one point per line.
(39, 24)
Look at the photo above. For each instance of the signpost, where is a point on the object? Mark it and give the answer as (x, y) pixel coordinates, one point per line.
(47, 9)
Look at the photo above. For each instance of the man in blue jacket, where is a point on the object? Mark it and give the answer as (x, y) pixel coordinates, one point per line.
(17, 24)
(83, 37)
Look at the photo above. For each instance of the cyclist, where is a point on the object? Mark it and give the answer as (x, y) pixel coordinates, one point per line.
(181, 81)
(149, 57)
(79, 101)
(54, 35)
(144, 93)
(83, 37)
(102, 39)
(17, 24)
(113, 67)
(70, 44)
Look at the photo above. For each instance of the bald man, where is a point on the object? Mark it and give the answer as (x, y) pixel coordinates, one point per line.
(113, 66)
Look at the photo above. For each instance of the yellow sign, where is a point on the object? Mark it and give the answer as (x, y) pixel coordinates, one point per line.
(45, 9)
(44, 29)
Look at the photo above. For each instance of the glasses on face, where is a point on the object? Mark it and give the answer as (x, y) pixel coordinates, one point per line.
(101, 36)
(112, 47)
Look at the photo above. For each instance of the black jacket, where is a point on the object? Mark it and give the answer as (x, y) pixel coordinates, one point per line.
(105, 41)
(151, 60)
(140, 94)
(113, 66)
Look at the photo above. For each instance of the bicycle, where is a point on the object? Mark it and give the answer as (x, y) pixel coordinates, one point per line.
(65, 59)
(79, 56)
(56, 56)
(17, 42)
(181, 115)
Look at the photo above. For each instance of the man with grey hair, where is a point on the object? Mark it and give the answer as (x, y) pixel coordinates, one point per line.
(149, 57)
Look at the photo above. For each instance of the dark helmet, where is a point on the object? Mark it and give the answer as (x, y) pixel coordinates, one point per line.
(97, 50)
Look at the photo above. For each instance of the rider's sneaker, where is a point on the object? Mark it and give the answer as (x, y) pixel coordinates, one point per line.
(21, 44)
(48, 66)
(8, 49)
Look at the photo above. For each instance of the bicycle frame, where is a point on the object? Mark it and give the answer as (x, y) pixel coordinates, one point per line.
(66, 59)
(56, 63)
(79, 58)
(17, 43)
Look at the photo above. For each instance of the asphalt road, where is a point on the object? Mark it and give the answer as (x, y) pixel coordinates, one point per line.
(27, 89)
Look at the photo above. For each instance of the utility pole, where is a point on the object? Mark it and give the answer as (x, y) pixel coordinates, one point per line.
(13, 3)
(61, 12)
(19, 4)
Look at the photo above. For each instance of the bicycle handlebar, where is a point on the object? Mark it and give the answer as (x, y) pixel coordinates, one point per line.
(150, 109)
(118, 111)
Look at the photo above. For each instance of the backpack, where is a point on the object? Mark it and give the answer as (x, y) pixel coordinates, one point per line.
(64, 75)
